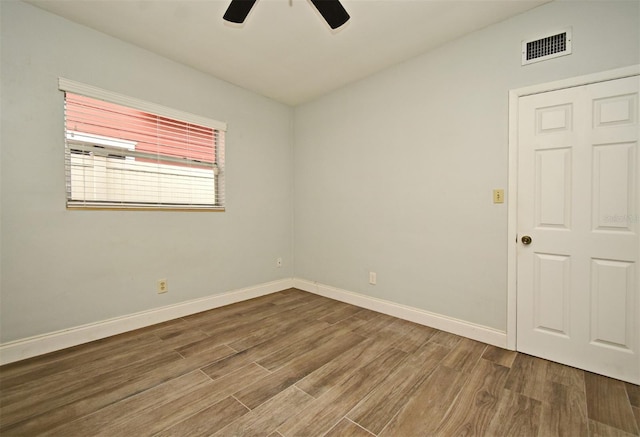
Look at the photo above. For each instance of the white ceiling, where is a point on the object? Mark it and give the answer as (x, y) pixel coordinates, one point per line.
(285, 50)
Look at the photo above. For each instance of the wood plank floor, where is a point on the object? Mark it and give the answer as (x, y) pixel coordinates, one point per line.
(297, 364)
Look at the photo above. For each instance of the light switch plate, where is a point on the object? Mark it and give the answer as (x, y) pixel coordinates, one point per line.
(498, 196)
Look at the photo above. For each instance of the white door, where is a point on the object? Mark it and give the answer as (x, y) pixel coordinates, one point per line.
(578, 299)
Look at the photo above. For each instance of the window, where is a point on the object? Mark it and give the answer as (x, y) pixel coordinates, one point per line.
(125, 153)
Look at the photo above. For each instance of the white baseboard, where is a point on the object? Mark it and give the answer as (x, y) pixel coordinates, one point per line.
(444, 323)
(42, 344)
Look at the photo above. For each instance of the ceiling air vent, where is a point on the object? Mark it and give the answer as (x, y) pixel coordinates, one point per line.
(547, 47)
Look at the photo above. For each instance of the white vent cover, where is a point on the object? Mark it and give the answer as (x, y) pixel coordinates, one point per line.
(546, 47)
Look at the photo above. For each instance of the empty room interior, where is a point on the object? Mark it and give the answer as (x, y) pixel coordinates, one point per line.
(413, 221)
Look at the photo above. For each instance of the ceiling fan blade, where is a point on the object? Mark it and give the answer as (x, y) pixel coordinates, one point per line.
(332, 11)
(238, 10)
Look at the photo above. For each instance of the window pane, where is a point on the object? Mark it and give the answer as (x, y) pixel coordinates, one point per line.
(120, 156)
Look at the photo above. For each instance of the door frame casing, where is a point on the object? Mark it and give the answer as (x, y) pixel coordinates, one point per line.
(512, 190)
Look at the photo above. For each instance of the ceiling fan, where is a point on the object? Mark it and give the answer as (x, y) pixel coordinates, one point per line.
(331, 10)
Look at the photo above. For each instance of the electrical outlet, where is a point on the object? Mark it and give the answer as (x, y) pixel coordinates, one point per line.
(162, 286)
(373, 278)
(279, 262)
(498, 196)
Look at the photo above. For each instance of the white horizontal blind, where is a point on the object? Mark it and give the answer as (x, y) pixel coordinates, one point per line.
(121, 156)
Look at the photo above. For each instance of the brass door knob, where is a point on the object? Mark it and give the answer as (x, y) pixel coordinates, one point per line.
(526, 240)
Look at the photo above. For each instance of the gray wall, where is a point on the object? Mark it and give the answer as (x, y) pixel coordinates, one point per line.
(394, 174)
(67, 268)
(391, 174)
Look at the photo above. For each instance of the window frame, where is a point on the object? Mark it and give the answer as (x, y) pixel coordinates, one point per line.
(70, 86)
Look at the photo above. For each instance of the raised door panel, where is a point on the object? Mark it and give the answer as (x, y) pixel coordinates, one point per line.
(551, 291)
(614, 187)
(612, 304)
(553, 188)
